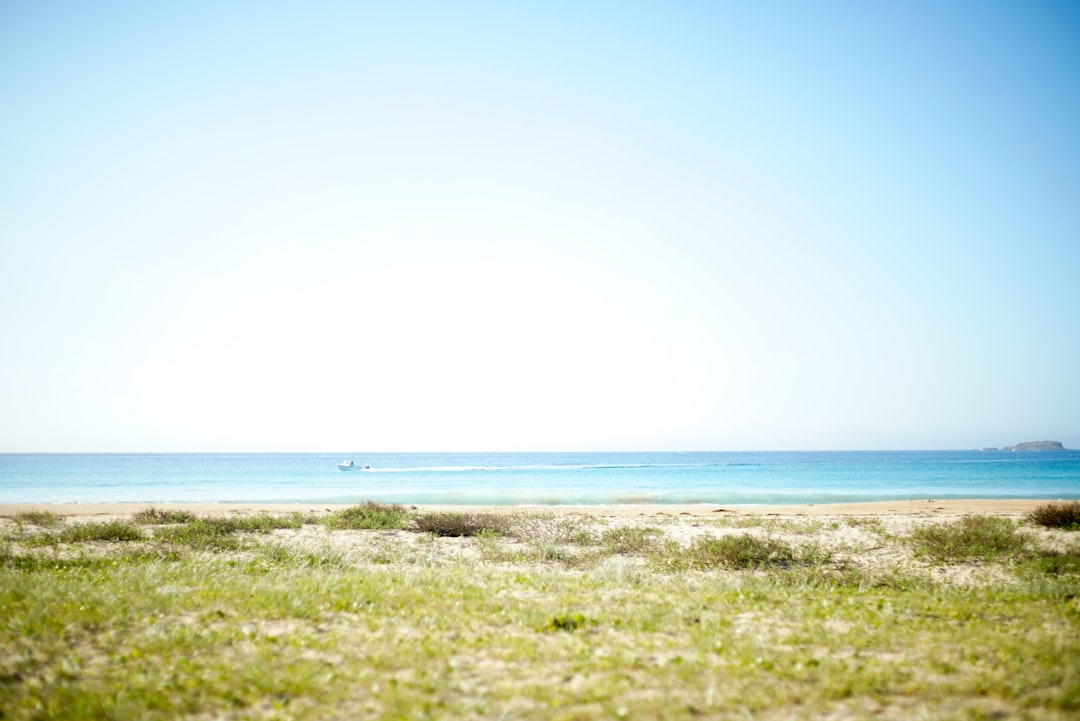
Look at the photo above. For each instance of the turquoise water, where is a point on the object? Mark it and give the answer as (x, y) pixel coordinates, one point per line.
(541, 478)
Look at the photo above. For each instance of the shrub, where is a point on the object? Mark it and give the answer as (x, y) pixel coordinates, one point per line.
(157, 516)
(971, 537)
(461, 524)
(368, 515)
(1064, 515)
(101, 531)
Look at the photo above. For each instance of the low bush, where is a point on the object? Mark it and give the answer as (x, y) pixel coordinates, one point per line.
(158, 516)
(368, 515)
(462, 524)
(1065, 515)
(969, 538)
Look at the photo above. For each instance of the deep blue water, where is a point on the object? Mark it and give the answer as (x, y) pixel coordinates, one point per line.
(541, 478)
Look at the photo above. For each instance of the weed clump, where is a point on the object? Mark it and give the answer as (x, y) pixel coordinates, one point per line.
(969, 538)
(158, 517)
(368, 515)
(462, 524)
(1064, 515)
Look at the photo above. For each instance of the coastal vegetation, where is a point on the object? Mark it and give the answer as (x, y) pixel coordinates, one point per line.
(383, 612)
(1064, 514)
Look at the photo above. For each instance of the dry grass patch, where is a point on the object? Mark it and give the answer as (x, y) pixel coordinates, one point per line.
(1064, 515)
(455, 524)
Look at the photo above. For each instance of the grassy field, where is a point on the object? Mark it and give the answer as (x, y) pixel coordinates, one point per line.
(376, 612)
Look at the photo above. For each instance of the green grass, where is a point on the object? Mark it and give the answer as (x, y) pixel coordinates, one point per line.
(118, 530)
(970, 538)
(200, 535)
(581, 621)
(43, 519)
(742, 551)
(220, 533)
(368, 515)
(631, 540)
(158, 516)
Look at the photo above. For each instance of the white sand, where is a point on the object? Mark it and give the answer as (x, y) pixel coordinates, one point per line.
(920, 507)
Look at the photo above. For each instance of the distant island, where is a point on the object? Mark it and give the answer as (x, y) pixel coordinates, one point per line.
(1036, 446)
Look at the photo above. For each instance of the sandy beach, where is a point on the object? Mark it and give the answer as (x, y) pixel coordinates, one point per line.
(889, 610)
(917, 507)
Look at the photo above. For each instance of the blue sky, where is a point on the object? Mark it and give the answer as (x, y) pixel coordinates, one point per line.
(538, 226)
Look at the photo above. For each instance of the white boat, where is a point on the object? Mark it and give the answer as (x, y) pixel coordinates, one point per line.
(346, 465)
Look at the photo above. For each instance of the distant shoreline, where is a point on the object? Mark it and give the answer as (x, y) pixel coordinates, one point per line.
(704, 510)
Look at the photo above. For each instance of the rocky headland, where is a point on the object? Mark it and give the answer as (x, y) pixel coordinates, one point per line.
(1036, 446)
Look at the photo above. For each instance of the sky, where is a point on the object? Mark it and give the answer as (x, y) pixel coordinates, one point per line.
(538, 226)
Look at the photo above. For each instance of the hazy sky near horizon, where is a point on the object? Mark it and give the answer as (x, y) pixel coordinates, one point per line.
(439, 226)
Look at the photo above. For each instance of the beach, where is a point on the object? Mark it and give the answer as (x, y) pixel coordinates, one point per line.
(916, 507)
(889, 610)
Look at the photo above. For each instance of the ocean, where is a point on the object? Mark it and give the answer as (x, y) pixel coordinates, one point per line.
(540, 478)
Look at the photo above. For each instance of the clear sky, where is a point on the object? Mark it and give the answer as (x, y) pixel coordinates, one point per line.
(440, 226)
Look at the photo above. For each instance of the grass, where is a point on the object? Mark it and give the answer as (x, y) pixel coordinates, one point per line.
(970, 538)
(579, 621)
(739, 552)
(631, 540)
(44, 519)
(116, 530)
(158, 516)
(368, 515)
(200, 535)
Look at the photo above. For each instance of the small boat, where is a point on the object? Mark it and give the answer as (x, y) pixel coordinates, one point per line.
(346, 465)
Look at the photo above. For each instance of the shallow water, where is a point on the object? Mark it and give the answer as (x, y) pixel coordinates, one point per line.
(541, 478)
